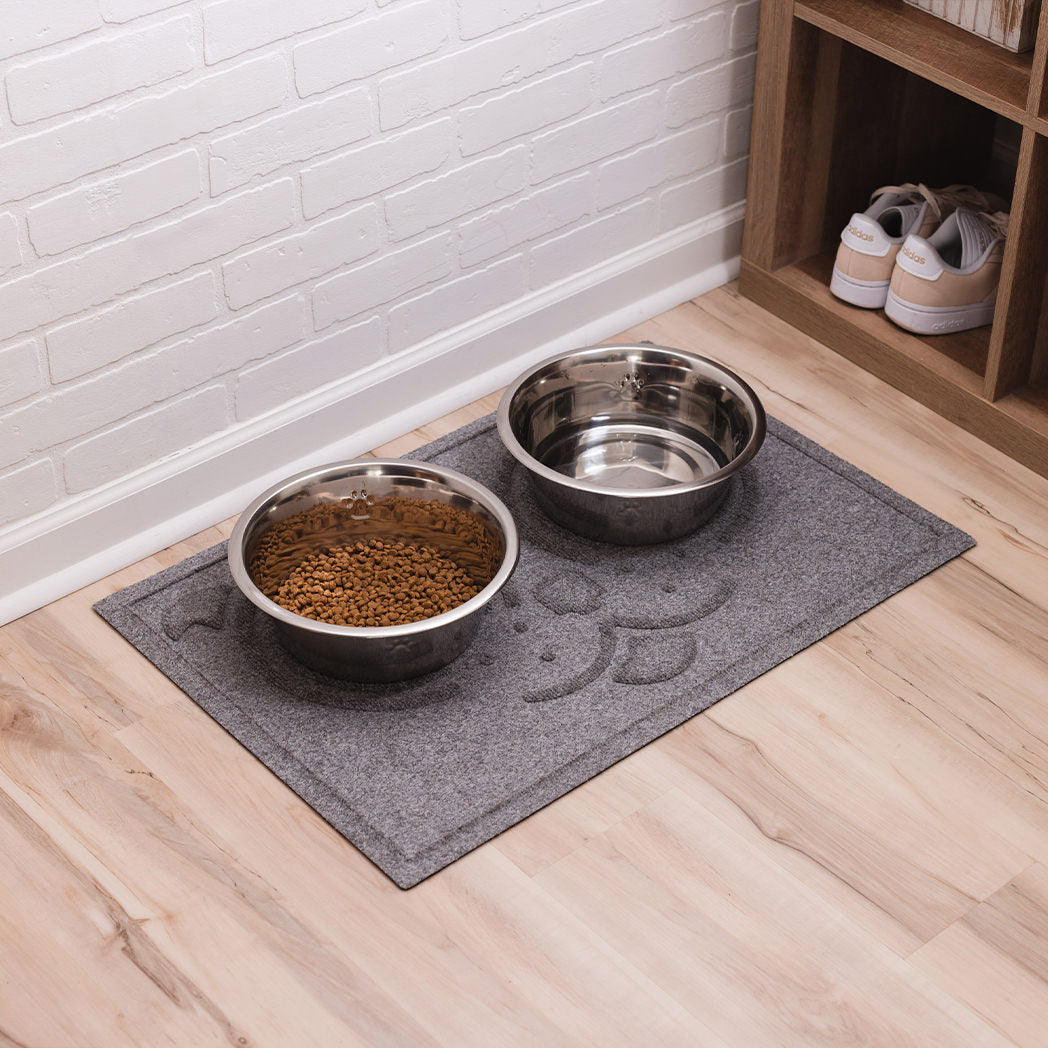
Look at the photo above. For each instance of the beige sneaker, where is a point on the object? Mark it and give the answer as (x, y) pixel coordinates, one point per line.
(948, 282)
(871, 240)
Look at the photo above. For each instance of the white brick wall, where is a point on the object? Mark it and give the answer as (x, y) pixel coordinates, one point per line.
(20, 372)
(10, 251)
(209, 208)
(100, 207)
(101, 69)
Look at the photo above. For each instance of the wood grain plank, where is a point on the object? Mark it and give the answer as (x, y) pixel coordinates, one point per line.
(753, 937)
(996, 958)
(932, 867)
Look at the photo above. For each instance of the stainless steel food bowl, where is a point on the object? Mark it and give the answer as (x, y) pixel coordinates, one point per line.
(631, 444)
(373, 653)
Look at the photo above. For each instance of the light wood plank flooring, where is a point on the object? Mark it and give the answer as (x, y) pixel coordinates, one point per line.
(851, 850)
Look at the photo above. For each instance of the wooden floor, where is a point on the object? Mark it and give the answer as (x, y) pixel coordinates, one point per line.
(851, 850)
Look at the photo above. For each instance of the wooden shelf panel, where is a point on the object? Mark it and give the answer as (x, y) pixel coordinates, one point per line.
(1016, 424)
(1029, 406)
(958, 358)
(930, 47)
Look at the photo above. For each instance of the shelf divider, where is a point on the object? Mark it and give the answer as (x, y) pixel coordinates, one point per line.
(768, 132)
(1017, 348)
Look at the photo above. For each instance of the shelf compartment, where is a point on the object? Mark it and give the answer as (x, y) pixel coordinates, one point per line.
(871, 339)
(1016, 424)
(931, 48)
(851, 96)
(840, 141)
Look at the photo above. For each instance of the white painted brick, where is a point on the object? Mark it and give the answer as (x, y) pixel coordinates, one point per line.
(105, 337)
(660, 57)
(456, 193)
(369, 169)
(110, 205)
(598, 26)
(676, 156)
(28, 24)
(500, 229)
(323, 247)
(728, 84)
(102, 69)
(511, 57)
(455, 303)
(536, 105)
(20, 372)
(591, 138)
(307, 368)
(97, 275)
(49, 158)
(146, 439)
(677, 9)
(229, 347)
(300, 134)
(703, 196)
(364, 49)
(125, 10)
(744, 21)
(27, 490)
(235, 26)
(737, 132)
(592, 244)
(478, 17)
(397, 273)
(10, 249)
(80, 407)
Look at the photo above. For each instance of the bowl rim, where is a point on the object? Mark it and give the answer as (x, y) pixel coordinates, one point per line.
(472, 488)
(522, 455)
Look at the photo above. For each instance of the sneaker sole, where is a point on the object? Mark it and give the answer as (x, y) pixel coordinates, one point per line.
(869, 294)
(937, 320)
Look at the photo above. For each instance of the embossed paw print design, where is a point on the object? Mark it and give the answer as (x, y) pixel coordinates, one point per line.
(360, 503)
(630, 386)
(573, 628)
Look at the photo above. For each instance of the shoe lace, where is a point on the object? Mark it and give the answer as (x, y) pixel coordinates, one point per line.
(943, 201)
(998, 222)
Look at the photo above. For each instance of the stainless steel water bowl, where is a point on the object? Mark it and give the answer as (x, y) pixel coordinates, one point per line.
(373, 653)
(628, 443)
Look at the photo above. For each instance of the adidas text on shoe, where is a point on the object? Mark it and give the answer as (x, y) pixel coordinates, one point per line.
(948, 281)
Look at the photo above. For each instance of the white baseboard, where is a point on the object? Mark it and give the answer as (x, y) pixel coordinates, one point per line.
(56, 552)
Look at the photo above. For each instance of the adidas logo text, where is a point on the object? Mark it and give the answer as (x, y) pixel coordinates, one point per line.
(859, 233)
(919, 259)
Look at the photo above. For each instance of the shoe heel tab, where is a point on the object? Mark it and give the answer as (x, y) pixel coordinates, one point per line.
(866, 236)
(918, 257)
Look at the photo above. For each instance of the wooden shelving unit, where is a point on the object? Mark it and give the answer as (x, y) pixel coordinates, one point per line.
(851, 96)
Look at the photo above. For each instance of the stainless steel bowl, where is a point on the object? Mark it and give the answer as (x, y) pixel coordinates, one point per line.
(373, 653)
(631, 444)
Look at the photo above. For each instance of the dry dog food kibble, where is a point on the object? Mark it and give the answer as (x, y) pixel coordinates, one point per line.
(375, 584)
(408, 560)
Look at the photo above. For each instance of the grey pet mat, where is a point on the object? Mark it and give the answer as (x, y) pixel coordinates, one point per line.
(590, 652)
